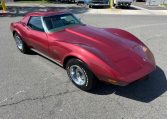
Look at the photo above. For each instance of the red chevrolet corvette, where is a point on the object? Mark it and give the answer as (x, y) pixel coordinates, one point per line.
(86, 52)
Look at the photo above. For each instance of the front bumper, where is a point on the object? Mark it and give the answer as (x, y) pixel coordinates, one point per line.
(124, 80)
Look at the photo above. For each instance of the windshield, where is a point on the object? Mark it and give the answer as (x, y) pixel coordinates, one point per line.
(60, 22)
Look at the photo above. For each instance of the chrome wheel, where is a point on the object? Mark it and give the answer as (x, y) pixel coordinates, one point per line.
(77, 75)
(80, 75)
(19, 42)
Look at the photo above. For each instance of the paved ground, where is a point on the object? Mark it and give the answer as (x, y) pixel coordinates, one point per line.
(33, 87)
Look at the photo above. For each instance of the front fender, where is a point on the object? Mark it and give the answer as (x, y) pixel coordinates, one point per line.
(94, 62)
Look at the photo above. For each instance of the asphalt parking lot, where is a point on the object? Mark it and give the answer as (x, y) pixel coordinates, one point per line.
(32, 87)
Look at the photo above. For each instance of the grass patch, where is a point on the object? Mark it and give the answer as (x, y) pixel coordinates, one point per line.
(163, 5)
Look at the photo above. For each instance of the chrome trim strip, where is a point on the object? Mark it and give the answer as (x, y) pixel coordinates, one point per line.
(47, 57)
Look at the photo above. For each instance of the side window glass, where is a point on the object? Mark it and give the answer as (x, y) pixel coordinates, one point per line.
(35, 23)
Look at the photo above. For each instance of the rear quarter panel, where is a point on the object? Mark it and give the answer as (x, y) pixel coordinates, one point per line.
(18, 26)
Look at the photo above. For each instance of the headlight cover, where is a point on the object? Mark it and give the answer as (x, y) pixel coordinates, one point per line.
(145, 53)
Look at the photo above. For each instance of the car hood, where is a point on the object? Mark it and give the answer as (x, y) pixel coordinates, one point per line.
(99, 38)
(110, 44)
(114, 49)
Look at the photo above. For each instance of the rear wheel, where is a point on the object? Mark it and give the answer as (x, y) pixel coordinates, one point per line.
(80, 74)
(20, 44)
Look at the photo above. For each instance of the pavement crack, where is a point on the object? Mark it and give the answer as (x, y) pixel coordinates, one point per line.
(42, 105)
(15, 103)
(37, 98)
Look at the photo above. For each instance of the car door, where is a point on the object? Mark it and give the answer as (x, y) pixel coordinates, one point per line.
(55, 25)
(37, 36)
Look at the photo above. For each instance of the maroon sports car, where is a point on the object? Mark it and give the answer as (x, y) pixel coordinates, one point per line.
(86, 52)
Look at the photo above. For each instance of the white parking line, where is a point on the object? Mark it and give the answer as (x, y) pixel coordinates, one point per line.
(137, 7)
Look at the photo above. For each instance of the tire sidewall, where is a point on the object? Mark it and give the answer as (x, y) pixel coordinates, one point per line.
(89, 75)
(23, 50)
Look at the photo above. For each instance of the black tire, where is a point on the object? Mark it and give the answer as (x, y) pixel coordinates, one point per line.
(24, 49)
(91, 80)
(116, 6)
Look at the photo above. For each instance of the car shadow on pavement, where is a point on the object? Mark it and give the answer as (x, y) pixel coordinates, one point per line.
(142, 90)
(14, 11)
(128, 8)
(31, 52)
(120, 8)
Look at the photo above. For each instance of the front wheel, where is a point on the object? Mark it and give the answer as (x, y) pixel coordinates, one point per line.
(80, 74)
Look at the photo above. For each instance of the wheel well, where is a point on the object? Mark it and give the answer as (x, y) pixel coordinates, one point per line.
(67, 59)
(14, 33)
(73, 57)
